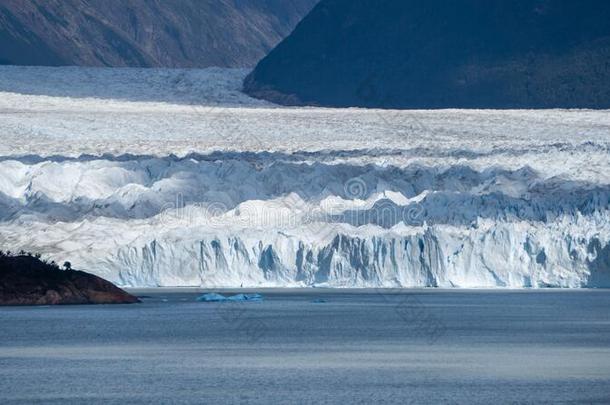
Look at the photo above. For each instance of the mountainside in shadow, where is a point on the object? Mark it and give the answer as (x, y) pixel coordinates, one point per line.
(144, 33)
(443, 54)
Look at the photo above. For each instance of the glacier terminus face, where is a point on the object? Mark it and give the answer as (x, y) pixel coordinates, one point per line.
(175, 178)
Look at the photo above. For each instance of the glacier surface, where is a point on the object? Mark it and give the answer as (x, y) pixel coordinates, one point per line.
(156, 177)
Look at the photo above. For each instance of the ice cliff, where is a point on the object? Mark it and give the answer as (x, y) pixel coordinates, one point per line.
(206, 187)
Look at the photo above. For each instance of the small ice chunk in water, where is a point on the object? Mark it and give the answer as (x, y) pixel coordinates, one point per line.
(215, 297)
(211, 297)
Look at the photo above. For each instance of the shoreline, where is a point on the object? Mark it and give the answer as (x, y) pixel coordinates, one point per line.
(348, 290)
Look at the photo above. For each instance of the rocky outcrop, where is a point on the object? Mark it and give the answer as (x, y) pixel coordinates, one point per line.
(443, 54)
(25, 280)
(144, 33)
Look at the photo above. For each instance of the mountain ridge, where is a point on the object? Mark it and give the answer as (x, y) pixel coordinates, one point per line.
(462, 54)
(144, 33)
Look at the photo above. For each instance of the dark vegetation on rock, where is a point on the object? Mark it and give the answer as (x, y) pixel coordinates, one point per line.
(443, 54)
(27, 280)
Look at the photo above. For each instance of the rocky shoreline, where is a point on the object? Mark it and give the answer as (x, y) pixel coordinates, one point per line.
(26, 280)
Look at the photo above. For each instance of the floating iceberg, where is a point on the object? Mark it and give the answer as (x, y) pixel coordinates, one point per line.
(215, 297)
(212, 297)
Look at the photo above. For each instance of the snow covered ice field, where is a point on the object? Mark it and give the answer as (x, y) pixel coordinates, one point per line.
(174, 178)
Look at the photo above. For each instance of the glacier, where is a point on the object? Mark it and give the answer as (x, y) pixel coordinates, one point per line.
(174, 178)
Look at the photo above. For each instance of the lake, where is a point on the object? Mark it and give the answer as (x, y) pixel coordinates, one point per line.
(314, 346)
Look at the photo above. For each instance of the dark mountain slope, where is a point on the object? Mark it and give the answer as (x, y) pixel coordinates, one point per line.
(438, 53)
(144, 33)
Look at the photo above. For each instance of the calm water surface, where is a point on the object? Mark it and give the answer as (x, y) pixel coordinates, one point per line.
(314, 346)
